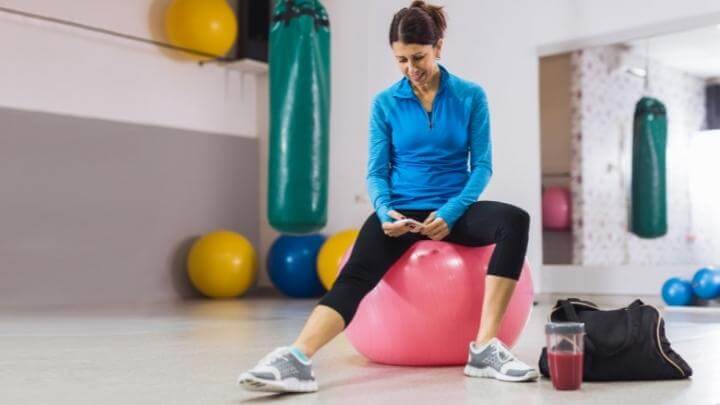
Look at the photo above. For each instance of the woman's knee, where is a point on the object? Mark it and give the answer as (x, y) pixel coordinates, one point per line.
(517, 219)
(357, 276)
(346, 294)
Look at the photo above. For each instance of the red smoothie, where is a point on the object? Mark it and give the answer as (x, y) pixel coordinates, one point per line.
(566, 370)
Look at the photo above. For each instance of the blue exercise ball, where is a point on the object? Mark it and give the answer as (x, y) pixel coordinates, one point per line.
(706, 283)
(291, 265)
(677, 291)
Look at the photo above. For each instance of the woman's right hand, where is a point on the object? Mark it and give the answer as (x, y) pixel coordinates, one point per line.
(394, 229)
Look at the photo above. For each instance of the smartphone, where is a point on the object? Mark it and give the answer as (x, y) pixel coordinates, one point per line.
(414, 225)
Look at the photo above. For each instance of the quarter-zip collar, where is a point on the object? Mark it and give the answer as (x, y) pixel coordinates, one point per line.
(403, 89)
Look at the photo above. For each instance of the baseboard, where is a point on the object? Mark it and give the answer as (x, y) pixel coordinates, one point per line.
(613, 280)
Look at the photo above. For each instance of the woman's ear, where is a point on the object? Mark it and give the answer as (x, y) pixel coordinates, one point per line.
(438, 48)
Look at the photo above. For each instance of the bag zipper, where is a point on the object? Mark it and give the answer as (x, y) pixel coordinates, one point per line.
(573, 303)
(657, 339)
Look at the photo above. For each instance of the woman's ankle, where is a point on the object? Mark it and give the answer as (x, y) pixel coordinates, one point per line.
(483, 340)
(301, 351)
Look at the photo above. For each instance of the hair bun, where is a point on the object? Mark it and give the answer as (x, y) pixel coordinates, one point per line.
(435, 12)
(420, 23)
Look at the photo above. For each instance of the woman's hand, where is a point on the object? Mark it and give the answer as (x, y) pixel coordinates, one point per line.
(393, 229)
(435, 228)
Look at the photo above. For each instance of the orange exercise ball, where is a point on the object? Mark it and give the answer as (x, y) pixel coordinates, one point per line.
(204, 25)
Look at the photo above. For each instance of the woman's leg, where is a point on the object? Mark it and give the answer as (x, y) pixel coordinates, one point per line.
(498, 291)
(288, 369)
(372, 256)
(506, 226)
(320, 328)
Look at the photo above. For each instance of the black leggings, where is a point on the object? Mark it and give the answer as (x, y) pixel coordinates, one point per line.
(484, 223)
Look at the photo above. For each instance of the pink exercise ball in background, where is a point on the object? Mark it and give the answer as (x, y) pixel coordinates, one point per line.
(426, 310)
(556, 208)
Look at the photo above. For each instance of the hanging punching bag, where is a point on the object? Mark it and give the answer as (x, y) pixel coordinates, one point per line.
(649, 199)
(299, 116)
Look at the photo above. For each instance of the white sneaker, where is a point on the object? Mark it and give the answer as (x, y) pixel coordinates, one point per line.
(494, 360)
(280, 371)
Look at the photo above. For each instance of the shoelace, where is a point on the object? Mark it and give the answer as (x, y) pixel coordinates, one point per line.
(272, 356)
(503, 353)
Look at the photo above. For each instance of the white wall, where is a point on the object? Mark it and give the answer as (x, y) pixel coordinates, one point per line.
(53, 68)
(704, 195)
(496, 44)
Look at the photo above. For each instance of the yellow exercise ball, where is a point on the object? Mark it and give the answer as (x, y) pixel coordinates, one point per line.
(222, 264)
(204, 25)
(331, 254)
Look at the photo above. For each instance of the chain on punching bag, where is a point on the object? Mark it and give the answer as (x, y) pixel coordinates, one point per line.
(649, 198)
(299, 116)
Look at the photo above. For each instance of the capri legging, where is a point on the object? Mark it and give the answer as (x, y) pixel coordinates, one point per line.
(483, 223)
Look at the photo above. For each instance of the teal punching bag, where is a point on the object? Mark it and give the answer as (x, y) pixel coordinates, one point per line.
(299, 116)
(649, 200)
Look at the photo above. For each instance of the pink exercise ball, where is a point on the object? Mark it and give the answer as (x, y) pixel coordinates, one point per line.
(556, 208)
(426, 310)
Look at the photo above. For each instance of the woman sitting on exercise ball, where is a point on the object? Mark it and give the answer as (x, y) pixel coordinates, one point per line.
(421, 130)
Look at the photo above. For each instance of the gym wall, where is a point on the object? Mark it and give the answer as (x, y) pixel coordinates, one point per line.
(114, 155)
(97, 212)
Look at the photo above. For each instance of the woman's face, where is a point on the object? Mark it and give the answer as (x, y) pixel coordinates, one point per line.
(417, 62)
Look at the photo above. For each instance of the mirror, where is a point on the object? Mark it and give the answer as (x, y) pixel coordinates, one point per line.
(629, 183)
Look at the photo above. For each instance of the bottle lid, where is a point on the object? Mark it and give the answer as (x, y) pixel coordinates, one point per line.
(564, 327)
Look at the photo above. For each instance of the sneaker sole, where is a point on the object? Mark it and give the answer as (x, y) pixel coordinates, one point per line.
(489, 372)
(252, 383)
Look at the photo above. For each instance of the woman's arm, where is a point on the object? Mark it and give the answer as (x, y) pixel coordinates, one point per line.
(480, 162)
(378, 174)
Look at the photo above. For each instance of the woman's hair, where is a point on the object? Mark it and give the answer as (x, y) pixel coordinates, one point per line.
(421, 23)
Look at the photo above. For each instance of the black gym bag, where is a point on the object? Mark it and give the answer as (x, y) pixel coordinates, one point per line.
(621, 344)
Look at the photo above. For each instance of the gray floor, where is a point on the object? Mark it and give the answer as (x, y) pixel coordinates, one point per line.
(191, 354)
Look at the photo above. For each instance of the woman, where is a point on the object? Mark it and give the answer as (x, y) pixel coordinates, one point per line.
(421, 130)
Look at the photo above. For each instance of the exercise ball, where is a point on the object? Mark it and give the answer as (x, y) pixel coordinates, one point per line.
(204, 25)
(426, 310)
(331, 255)
(677, 292)
(291, 265)
(556, 209)
(222, 264)
(706, 283)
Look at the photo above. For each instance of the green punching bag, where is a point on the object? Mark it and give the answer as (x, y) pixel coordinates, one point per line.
(649, 199)
(299, 116)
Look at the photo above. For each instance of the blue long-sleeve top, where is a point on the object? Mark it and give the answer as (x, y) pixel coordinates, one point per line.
(438, 160)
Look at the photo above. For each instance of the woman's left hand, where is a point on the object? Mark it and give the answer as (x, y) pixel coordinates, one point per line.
(435, 228)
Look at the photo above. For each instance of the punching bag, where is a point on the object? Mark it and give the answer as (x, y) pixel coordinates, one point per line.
(649, 200)
(299, 116)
